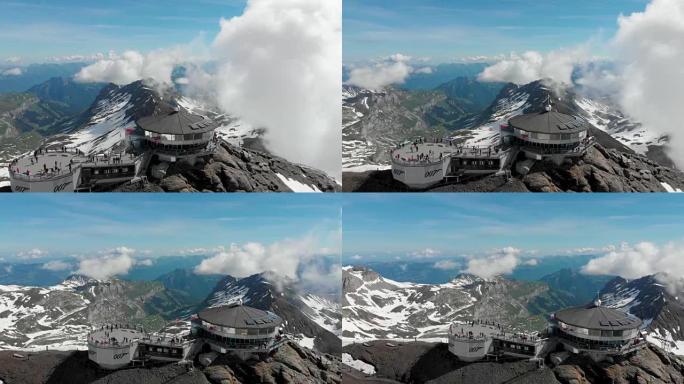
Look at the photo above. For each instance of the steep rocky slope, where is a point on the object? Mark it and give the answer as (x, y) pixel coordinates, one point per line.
(290, 364)
(432, 363)
(656, 300)
(235, 169)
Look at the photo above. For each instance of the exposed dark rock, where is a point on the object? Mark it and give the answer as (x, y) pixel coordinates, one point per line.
(418, 362)
(290, 364)
(234, 169)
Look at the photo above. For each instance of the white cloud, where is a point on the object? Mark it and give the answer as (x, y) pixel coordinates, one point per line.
(77, 58)
(244, 260)
(32, 254)
(424, 70)
(200, 251)
(117, 261)
(56, 265)
(424, 253)
(641, 259)
(357, 257)
(502, 262)
(321, 278)
(12, 72)
(131, 66)
(479, 59)
(390, 70)
(145, 262)
(589, 250)
(531, 66)
(13, 59)
(650, 45)
(646, 80)
(446, 265)
(531, 262)
(278, 67)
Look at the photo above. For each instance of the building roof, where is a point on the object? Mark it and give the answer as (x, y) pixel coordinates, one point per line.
(176, 122)
(598, 317)
(240, 316)
(549, 122)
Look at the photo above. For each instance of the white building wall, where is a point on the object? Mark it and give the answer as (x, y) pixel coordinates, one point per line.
(421, 175)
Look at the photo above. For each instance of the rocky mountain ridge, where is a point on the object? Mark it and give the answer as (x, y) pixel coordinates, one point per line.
(305, 314)
(374, 307)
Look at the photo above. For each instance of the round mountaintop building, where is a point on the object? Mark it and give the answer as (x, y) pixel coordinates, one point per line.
(548, 128)
(176, 132)
(597, 330)
(237, 327)
(240, 317)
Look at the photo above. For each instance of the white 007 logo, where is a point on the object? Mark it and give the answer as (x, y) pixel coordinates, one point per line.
(120, 356)
(432, 173)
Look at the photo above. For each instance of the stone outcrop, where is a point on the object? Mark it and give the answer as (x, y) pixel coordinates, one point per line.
(233, 169)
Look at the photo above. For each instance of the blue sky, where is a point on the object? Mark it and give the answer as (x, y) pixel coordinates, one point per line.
(36, 29)
(64, 225)
(446, 29)
(383, 226)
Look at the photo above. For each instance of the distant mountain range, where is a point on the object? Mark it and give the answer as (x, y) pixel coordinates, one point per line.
(431, 272)
(59, 316)
(375, 121)
(240, 163)
(35, 74)
(626, 157)
(375, 307)
(28, 117)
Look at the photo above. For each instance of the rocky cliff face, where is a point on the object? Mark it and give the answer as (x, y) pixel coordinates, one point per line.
(432, 363)
(290, 364)
(234, 169)
(650, 365)
(604, 170)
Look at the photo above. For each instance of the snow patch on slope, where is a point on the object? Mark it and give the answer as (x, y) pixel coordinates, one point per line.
(106, 128)
(323, 312)
(358, 364)
(297, 186)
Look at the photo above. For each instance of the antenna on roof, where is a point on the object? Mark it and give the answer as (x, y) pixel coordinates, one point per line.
(547, 103)
(597, 301)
